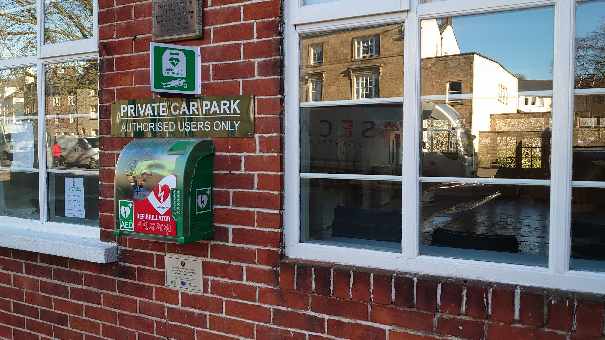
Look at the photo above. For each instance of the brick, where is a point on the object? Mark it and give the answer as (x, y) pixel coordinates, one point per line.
(203, 334)
(341, 280)
(250, 199)
(304, 278)
(11, 265)
(132, 62)
(267, 219)
(265, 125)
(361, 287)
(64, 333)
(237, 32)
(231, 326)
(156, 310)
(337, 307)
(135, 289)
(150, 276)
(296, 320)
(462, 328)
(227, 163)
(39, 327)
(187, 317)
(404, 291)
(135, 322)
(233, 290)
(268, 257)
(560, 314)
(85, 295)
(26, 283)
(202, 302)
(229, 52)
(589, 318)
(323, 280)
(271, 183)
(248, 311)
(531, 309)
(53, 317)
(69, 307)
(381, 288)
(267, 29)
(25, 310)
(287, 276)
(38, 300)
(20, 334)
(426, 295)
(265, 276)
(54, 289)
(500, 331)
(263, 10)
(262, 87)
(218, 88)
(476, 302)
(101, 314)
(451, 298)
(123, 303)
(219, 16)
(398, 335)
(405, 318)
(100, 282)
(502, 304)
(268, 333)
(84, 325)
(354, 331)
(262, 163)
(280, 297)
(114, 332)
(235, 181)
(223, 270)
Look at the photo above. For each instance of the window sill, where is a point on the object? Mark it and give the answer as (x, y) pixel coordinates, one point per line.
(71, 241)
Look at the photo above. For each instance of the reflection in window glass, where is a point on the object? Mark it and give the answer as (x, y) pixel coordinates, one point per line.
(346, 69)
(364, 139)
(72, 132)
(476, 79)
(17, 28)
(352, 213)
(588, 229)
(67, 20)
(18, 143)
(502, 223)
(314, 2)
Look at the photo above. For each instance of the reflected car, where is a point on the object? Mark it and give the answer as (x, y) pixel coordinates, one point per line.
(76, 152)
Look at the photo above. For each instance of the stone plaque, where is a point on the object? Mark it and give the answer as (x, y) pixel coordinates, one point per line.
(177, 19)
(183, 272)
(184, 117)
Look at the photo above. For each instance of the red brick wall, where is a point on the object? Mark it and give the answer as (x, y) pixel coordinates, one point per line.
(249, 291)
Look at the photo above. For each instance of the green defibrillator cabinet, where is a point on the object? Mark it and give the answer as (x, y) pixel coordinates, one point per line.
(163, 189)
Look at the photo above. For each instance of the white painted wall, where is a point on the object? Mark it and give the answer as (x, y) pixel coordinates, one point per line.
(487, 76)
(435, 43)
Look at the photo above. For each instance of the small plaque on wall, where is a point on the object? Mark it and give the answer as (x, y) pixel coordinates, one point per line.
(177, 19)
(183, 272)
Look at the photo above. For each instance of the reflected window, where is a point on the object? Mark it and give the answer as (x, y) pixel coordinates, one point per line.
(366, 85)
(357, 140)
(488, 124)
(72, 142)
(316, 54)
(315, 89)
(366, 47)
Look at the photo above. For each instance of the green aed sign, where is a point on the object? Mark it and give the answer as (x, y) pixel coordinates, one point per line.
(175, 69)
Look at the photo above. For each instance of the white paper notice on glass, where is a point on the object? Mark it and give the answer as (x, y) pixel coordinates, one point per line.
(74, 197)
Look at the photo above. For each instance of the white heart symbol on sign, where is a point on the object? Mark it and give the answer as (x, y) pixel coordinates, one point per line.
(159, 197)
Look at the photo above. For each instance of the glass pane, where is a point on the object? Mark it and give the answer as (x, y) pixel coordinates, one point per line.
(362, 139)
(67, 20)
(72, 133)
(486, 106)
(17, 28)
(356, 64)
(361, 214)
(18, 143)
(499, 223)
(313, 2)
(590, 44)
(588, 229)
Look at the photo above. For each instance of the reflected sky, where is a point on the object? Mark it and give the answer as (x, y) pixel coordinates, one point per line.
(522, 41)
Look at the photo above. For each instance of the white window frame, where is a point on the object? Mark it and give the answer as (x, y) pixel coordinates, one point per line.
(311, 82)
(557, 275)
(372, 43)
(316, 50)
(371, 80)
(55, 238)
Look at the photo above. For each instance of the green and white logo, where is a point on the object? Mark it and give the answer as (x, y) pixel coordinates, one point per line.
(203, 200)
(126, 215)
(175, 69)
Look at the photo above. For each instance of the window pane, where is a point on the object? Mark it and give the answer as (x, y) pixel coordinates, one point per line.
(18, 143)
(313, 2)
(588, 229)
(501, 223)
(363, 139)
(589, 115)
(353, 64)
(365, 214)
(486, 106)
(67, 20)
(72, 130)
(17, 28)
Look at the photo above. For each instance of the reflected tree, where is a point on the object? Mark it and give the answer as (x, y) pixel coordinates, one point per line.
(590, 59)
